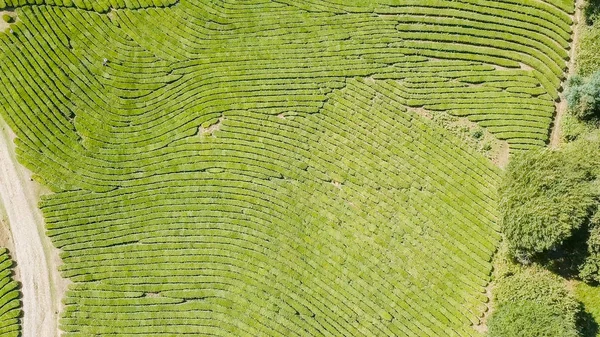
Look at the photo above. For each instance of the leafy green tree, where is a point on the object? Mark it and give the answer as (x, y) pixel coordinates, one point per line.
(583, 95)
(547, 195)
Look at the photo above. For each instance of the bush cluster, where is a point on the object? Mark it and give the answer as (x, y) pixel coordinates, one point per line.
(529, 319)
(547, 195)
(549, 208)
(592, 11)
(583, 96)
(534, 303)
(588, 58)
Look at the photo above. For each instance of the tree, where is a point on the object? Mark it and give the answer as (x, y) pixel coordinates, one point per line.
(583, 96)
(547, 195)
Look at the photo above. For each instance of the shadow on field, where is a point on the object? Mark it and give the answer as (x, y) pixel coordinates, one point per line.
(587, 324)
(567, 259)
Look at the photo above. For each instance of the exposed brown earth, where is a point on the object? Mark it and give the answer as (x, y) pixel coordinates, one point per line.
(36, 259)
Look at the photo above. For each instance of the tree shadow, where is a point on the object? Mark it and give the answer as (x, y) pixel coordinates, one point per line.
(587, 324)
(567, 259)
(592, 11)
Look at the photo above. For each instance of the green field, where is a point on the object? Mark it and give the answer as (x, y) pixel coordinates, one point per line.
(268, 168)
(10, 304)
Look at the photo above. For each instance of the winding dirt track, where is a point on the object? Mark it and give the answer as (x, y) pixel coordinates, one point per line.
(561, 106)
(18, 194)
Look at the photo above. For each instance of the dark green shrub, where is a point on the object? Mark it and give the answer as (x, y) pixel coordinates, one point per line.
(583, 95)
(478, 133)
(591, 11)
(547, 195)
(7, 18)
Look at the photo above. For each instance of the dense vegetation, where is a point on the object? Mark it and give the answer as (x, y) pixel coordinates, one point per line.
(548, 195)
(590, 298)
(533, 303)
(591, 13)
(10, 304)
(550, 215)
(550, 198)
(258, 168)
(549, 211)
(583, 96)
(587, 67)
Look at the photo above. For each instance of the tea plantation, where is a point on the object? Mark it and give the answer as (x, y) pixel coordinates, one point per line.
(10, 304)
(267, 168)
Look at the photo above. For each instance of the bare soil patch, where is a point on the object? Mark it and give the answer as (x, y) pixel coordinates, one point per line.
(6, 25)
(204, 130)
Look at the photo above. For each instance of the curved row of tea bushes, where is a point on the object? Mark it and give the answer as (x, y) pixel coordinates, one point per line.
(246, 168)
(101, 6)
(304, 240)
(10, 303)
(145, 71)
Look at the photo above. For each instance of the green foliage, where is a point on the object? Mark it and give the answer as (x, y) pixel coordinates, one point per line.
(319, 204)
(7, 18)
(588, 58)
(532, 302)
(10, 304)
(478, 133)
(572, 128)
(583, 95)
(590, 269)
(546, 195)
(591, 11)
(535, 284)
(529, 319)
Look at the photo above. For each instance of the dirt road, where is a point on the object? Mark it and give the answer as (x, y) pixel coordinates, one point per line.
(19, 197)
(561, 106)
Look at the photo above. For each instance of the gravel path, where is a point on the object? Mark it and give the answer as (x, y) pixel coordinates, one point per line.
(19, 197)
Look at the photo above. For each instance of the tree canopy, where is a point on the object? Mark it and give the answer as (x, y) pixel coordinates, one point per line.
(583, 95)
(548, 194)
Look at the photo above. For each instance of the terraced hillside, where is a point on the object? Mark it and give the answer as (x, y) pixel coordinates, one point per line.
(10, 305)
(254, 168)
